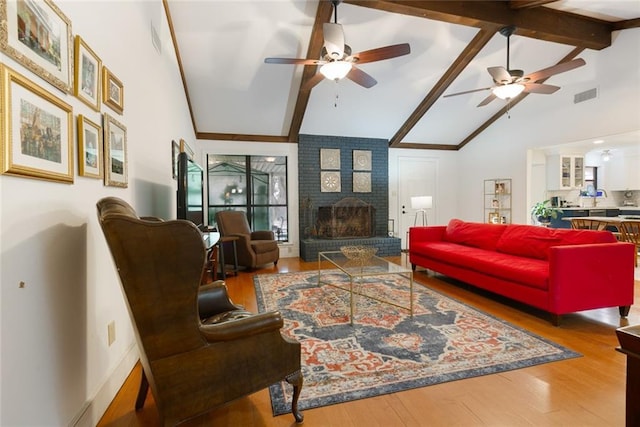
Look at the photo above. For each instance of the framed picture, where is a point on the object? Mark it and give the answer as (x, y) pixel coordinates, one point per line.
(45, 52)
(90, 148)
(330, 158)
(87, 75)
(112, 91)
(115, 152)
(362, 182)
(361, 160)
(330, 182)
(495, 203)
(37, 130)
(175, 150)
(494, 217)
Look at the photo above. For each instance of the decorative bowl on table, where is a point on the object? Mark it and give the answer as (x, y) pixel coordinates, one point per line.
(358, 253)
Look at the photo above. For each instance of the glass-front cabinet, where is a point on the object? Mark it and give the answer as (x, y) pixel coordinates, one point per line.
(565, 172)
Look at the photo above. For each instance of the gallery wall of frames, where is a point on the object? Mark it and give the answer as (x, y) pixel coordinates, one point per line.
(41, 136)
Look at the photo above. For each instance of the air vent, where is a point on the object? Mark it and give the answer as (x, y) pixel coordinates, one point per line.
(585, 96)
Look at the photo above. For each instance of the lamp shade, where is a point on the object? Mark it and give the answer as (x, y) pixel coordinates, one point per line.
(508, 91)
(335, 70)
(421, 202)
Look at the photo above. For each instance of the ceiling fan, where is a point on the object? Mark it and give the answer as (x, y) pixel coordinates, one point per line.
(510, 83)
(337, 61)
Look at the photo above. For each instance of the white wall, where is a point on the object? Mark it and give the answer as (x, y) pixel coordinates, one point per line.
(56, 366)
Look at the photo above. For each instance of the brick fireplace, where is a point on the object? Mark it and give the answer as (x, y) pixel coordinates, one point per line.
(329, 220)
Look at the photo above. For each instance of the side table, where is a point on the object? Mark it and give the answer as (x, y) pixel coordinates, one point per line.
(629, 338)
(223, 267)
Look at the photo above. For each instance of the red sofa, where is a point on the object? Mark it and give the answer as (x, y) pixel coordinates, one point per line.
(557, 270)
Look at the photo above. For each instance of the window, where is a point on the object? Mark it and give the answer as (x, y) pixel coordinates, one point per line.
(253, 184)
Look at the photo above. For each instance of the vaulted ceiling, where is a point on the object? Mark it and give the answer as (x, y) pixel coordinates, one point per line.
(234, 95)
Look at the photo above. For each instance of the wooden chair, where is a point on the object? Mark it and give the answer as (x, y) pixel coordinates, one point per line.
(631, 233)
(197, 348)
(588, 224)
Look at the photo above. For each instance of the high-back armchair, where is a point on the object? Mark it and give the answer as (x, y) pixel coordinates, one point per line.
(253, 248)
(198, 350)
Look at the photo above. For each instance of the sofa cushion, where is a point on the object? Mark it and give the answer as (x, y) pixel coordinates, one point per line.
(476, 234)
(526, 271)
(534, 242)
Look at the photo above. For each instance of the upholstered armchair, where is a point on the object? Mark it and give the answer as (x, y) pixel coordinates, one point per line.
(197, 348)
(253, 248)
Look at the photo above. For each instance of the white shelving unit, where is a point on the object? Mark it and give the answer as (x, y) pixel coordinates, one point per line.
(497, 200)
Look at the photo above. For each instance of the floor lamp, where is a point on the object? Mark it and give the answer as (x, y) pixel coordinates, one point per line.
(421, 203)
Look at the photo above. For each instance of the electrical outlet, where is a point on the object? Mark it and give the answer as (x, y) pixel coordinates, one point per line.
(111, 332)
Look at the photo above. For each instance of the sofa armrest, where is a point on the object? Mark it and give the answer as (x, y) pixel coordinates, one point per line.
(432, 233)
(592, 275)
(263, 235)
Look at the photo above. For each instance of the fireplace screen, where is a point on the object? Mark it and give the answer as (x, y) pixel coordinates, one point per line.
(348, 218)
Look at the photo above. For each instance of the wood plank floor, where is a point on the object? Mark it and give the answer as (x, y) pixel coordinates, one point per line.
(585, 391)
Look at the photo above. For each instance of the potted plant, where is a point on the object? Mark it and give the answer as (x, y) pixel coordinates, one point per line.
(543, 212)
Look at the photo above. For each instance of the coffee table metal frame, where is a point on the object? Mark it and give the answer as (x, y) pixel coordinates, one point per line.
(356, 270)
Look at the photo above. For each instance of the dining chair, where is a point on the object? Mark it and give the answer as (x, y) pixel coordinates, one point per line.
(198, 349)
(631, 233)
(588, 224)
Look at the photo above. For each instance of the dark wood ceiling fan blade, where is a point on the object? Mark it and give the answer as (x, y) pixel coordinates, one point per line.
(487, 100)
(556, 69)
(500, 75)
(313, 81)
(381, 53)
(298, 61)
(362, 78)
(465, 92)
(540, 88)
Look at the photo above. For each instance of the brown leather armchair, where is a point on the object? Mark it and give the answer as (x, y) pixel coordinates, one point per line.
(198, 350)
(253, 248)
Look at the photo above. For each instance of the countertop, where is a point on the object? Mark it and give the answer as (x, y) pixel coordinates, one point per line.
(622, 208)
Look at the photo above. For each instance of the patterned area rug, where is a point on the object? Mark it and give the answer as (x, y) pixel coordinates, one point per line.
(386, 350)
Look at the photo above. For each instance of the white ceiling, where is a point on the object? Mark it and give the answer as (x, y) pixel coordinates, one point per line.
(233, 94)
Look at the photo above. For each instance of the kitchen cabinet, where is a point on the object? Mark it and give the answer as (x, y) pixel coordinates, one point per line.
(497, 200)
(565, 172)
(559, 222)
(622, 172)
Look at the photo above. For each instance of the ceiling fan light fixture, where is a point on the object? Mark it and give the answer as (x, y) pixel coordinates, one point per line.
(509, 91)
(336, 70)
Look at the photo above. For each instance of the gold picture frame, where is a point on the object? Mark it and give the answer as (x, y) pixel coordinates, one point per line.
(53, 64)
(115, 152)
(494, 218)
(90, 148)
(88, 74)
(112, 91)
(37, 130)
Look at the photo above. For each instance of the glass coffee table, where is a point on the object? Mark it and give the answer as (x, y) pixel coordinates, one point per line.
(356, 270)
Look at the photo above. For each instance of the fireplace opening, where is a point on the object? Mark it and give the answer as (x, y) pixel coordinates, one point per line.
(346, 219)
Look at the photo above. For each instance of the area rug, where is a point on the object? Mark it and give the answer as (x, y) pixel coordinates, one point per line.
(386, 350)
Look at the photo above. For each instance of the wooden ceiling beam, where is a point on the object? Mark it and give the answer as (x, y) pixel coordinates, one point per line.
(215, 136)
(323, 15)
(536, 22)
(461, 62)
(575, 52)
(525, 4)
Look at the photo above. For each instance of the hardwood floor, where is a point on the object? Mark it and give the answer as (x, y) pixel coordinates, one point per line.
(585, 391)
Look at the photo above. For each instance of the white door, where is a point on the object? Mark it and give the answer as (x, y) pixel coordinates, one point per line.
(416, 177)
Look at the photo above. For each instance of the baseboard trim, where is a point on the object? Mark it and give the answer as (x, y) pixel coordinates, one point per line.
(94, 409)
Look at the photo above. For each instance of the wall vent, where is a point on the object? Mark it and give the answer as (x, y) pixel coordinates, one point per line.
(585, 96)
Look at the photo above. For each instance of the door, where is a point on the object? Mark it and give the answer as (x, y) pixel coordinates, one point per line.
(416, 177)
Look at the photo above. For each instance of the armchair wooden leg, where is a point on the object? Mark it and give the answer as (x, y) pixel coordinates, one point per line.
(296, 381)
(142, 392)
(624, 310)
